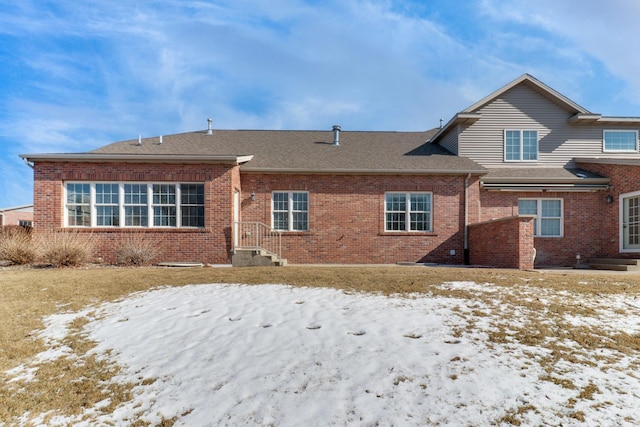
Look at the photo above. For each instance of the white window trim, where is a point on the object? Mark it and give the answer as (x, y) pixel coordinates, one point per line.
(121, 211)
(408, 212)
(520, 160)
(290, 211)
(609, 150)
(538, 216)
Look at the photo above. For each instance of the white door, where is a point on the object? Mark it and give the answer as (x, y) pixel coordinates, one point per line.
(236, 217)
(631, 222)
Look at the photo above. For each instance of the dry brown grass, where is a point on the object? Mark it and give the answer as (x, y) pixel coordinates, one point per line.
(70, 384)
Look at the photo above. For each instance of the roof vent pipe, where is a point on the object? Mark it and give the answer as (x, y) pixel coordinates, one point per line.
(160, 142)
(209, 128)
(139, 140)
(336, 135)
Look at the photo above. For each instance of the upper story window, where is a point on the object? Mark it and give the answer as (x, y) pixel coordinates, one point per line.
(115, 204)
(407, 212)
(549, 219)
(290, 210)
(620, 140)
(520, 145)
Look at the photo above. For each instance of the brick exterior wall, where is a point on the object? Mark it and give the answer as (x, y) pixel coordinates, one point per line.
(624, 179)
(209, 245)
(14, 217)
(504, 243)
(585, 224)
(346, 213)
(346, 223)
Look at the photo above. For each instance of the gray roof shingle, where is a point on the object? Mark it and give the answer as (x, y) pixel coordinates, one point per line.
(309, 151)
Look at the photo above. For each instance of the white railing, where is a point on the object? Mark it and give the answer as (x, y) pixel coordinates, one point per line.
(256, 235)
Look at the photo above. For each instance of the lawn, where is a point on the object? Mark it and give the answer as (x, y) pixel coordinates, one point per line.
(574, 336)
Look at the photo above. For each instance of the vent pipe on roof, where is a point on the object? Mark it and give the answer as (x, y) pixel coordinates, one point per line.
(139, 140)
(209, 128)
(160, 142)
(336, 135)
(441, 121)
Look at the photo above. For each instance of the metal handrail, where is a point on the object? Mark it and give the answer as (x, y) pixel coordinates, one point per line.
(257, 236)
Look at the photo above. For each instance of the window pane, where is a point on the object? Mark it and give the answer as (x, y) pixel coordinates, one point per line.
(107, 216)
(79, 216)
(551, 208)
(280, 201)
(512, 145)
(78, 193)
(420, 221)
(529, 145)
(164, 194)
(527, 207)
(135, 216)
(192, 194)
(396, 221)
(299, 221)
(549, 227)
(396, 202)
(192, 216)
(620, 140)
(135, 194)
(107, 194)
(164, 216)
(300, 201)
(280, 221)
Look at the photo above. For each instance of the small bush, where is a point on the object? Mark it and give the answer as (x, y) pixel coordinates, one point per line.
(65, 248)
(135, 249)
(16, 246)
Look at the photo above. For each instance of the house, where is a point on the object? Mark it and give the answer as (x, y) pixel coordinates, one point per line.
(17, 215)
(524, 175)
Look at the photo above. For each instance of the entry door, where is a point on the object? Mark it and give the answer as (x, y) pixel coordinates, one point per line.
(631, 222)
(236, 217)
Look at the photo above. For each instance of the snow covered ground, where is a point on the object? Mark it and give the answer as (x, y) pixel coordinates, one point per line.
(273, 355)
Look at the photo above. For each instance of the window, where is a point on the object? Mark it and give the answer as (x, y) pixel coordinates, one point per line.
(107, 210)
(407, 212)
(134, 205)
(290, 211)
(78, 205)
(548, 222)
(25, 223)
(620, 140)
(520, 145)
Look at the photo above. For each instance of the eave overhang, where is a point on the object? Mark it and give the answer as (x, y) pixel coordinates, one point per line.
(571, 185)
(608, 161)
(590, 119)
(137, 158)
(461, 118)
(362, 171)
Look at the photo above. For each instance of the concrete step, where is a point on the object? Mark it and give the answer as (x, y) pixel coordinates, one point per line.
(617, 261)
(614, 267)
(256, 258)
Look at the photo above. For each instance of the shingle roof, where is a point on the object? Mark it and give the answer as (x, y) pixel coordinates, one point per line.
(308, 151)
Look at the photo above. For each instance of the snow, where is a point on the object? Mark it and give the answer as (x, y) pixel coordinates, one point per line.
(274, 355)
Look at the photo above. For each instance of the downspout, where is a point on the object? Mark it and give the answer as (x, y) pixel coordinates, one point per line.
(466, 219)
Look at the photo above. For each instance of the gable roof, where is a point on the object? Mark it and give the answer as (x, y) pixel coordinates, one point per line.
(275, 151)
(470, 114)
(580, 115)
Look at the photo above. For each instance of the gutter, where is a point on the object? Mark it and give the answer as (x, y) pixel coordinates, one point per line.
(364, 171)
(136, 158)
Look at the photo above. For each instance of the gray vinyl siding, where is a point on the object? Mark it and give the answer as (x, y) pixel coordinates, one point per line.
(450, 140)
(522, 108)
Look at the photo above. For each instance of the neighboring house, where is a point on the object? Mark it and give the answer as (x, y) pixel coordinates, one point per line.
(17, 215)
(523, 172)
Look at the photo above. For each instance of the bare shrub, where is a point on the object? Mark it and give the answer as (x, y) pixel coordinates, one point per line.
(16, 246)
(136, 249)
(64, 248)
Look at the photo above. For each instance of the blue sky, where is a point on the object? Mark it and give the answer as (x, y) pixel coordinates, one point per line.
(76, 75)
